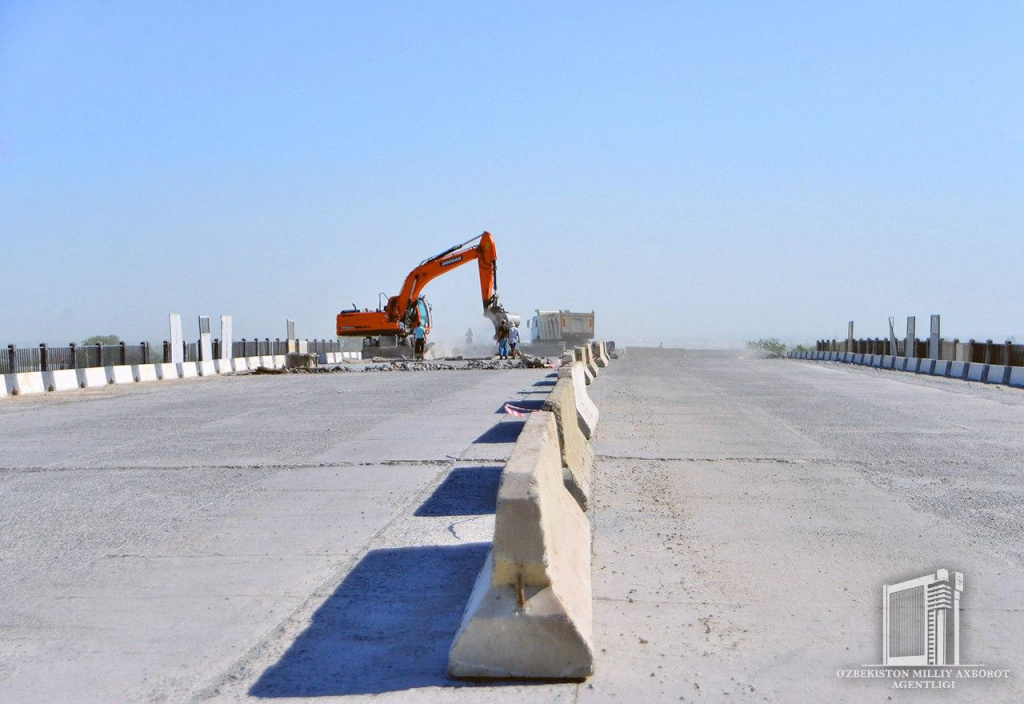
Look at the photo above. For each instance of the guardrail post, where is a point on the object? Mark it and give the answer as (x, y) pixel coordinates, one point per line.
(12, 359)
(74, 355)
(44, 365)
(988, 351)
(1008, 353)
(145, 351)
(122, 351)
(167, 351)
(99, 354)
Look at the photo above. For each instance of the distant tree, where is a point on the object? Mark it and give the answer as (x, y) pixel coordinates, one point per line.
(102, 340)
(768, 347)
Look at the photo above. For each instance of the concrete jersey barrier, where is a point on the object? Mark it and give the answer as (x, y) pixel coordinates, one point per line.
(120, 374)
(167, 370)
(579, 355)
(588, 360)
(599, 355)
(577, 456)
(977, 372)
(61, 380)
(144, 372)
(997, 374)
(92, 377)
(1016, 376)
(586, 411)
(530, 612)
(24, 383)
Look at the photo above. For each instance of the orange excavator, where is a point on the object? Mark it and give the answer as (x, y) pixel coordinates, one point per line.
(389, 326)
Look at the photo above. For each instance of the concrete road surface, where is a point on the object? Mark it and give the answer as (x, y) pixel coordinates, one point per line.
(315, 537)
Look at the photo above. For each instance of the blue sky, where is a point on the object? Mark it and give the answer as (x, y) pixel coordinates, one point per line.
(693, 172)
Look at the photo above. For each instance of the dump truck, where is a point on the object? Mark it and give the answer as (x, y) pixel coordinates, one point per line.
(551, 331)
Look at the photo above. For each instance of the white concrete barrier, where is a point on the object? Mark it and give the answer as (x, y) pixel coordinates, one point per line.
(580, 355)
(586, 411)
(941, 367)
(588, 361)
(886, 361)
(92, 377)
(187, 370)
(167, 371)
(876, 361)
(819, 355)
(997, 374)
(144, 372)
(206, 368)
(958, 370)
(911, 365)
(925, 366)
(240, 364)
(530, 612)
(223, 366)
(598, 354)
(577, 456)
(899, 364)
(253, 363)
(120, 374)
(24, 383)
(977, 372)
(61, 380)
(279, 361)
(3, 387)
(1016, 377)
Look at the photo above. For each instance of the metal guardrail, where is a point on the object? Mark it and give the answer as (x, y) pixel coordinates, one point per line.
(988, 352)
(15, 360)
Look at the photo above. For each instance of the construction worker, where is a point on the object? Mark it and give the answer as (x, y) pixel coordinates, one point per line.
(513, 340)
(503, 340)
(420, 334)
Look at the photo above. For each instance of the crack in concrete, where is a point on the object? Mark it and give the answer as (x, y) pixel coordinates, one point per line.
(321, 465)
(735, 460)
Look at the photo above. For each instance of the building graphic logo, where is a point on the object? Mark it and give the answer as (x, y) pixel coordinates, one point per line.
(921, 620)
(921, 637)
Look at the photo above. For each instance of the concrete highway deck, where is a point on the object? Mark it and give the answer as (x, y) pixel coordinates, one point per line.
(316, 536)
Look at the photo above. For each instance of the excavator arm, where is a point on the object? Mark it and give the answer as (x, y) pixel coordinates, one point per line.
(486, 256)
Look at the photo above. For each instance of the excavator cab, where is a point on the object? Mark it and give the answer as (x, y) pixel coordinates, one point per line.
(419, 314)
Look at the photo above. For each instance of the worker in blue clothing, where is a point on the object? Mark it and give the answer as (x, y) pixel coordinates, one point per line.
(503, 339)
(420, 334)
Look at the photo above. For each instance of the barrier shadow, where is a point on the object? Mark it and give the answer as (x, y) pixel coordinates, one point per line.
(386, 628)
(466, 491)
(530, 404)
(545, 382)
(505, 431)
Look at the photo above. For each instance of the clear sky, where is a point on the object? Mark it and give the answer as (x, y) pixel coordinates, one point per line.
(693, 172)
